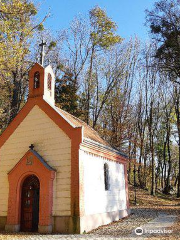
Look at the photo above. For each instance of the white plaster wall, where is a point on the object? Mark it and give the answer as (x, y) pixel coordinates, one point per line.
(52, 144)
(96, 198)
(49, 95)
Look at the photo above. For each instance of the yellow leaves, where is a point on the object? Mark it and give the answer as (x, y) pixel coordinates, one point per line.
(17, 7)
(15, 16)
(16, 31)
(103, 29)
(41, 27)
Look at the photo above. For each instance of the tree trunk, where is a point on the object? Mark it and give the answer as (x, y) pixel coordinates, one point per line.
(177, 92)
(178, 190)
(153, 168)
(15, 102)
(152, 149)
(167, 187)
(89, 86)
(129, 172)
(140, 165)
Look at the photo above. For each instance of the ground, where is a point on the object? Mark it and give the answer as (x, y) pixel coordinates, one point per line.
(148, 210)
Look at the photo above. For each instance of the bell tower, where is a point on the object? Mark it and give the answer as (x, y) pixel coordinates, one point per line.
(42, 80)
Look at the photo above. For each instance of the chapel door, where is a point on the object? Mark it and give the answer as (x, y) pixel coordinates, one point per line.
(30, 204)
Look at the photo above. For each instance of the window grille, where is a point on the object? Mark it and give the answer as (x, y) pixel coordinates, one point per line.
(36, 80)
(49, 83)
(106, 177)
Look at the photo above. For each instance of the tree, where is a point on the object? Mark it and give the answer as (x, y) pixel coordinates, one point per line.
(115, 101)
(83, 43)
(176, 97)
(66, 94)
(69, 59)
(102, 37)
(16, 32)
(164, 22)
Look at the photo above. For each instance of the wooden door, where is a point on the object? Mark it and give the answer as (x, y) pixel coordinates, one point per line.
(30, 204)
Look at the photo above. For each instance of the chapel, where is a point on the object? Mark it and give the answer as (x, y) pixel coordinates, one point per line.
(56, 173)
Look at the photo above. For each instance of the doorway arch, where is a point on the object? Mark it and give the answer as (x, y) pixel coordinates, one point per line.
(31, 168)
(30, 204)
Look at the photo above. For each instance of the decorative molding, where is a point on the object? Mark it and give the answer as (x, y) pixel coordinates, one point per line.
(104, 153)
(29, 160)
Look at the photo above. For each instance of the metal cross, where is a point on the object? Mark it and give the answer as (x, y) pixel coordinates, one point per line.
(42, 45)
(31, 147)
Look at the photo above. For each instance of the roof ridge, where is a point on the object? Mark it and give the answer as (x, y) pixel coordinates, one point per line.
(85, 125)
(79, 120)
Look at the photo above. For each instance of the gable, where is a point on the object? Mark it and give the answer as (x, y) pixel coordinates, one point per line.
(50, 141)
(38, 129)
(59, 120)
(31, 158)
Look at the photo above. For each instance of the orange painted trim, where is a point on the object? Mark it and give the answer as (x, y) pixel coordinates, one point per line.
(60, 121)
(75, 177)
(81, 184)
(75, 134)
(16, 178)
(38, 91)
(36, 98)
(15, 122)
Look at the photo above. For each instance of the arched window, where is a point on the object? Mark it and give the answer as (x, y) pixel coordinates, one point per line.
(49, 81)
(106, 177)
(36, 80)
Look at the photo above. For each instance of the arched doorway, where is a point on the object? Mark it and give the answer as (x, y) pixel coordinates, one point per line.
(35, 214)
(30, 204)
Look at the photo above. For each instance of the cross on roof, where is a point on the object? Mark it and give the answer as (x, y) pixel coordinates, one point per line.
(31, 147)
(42, 45)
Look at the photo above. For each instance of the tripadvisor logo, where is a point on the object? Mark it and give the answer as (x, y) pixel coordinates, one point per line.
(139, 231)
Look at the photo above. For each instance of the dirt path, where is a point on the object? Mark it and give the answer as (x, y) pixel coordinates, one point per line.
(149, 208)
(147, 219)
(122, 229)
(160, 226)
(149, 211)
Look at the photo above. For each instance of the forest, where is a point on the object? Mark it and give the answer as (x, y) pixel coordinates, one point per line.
(126, 89)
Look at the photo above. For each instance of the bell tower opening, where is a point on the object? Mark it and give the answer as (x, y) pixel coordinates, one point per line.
(42, 80)
(49, 83)
(36, 80)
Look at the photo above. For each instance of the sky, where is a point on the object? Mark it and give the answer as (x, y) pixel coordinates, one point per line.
(129, 15)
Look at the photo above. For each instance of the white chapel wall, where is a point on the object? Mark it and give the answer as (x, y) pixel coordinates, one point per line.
(96, 198)
(52, 144)
(49, 94)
